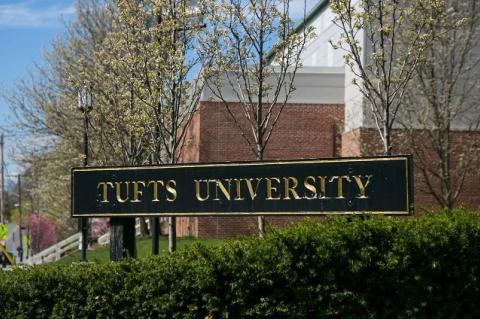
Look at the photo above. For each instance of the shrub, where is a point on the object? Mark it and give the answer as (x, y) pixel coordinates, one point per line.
(352, 267)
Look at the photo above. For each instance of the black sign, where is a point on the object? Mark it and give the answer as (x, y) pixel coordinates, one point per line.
(300, 187)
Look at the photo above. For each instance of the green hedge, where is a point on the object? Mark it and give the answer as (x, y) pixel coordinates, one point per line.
(424, 267)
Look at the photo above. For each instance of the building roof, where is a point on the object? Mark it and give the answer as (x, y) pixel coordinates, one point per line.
(311, 15)
(314, 12)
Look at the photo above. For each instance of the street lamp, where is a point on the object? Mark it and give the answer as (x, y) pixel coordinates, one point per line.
(85, 105)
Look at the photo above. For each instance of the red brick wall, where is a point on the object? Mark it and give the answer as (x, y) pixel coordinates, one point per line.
(190, 148)
(303, 131)
(351, 144)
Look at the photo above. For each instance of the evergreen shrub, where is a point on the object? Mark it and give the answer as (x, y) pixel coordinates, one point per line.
(340, 267)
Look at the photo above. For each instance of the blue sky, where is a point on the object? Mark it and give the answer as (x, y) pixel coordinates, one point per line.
(27, 27)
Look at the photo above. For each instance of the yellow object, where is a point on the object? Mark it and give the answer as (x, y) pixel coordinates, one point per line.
(6, 254)
(3, 232)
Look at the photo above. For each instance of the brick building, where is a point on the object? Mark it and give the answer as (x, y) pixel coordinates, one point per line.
(325, 117)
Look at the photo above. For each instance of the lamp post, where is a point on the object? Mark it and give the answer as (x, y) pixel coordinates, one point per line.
(85, 105)
(20, 238)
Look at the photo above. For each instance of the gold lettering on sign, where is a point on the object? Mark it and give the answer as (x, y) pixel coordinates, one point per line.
(310, 187)
(155, 189)
(238, 188)
(118, 191)
(104, 190)
(137, 193)
(170, 187)
(198, 192)
(339, 180)
(271, 188)
(229, 189)
(361, 185)
(223, 189)
(253, 193)
(322, 187)
(290, 188)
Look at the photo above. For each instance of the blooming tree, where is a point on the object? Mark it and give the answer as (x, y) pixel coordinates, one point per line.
(42, 232)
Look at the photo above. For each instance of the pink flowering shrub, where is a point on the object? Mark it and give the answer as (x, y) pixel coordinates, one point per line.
(98, 227)
(42, 232)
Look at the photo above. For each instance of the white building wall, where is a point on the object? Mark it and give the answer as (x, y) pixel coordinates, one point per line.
(320, 53)
(314, 85)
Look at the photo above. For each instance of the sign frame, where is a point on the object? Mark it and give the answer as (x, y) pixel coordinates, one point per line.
(408, 187)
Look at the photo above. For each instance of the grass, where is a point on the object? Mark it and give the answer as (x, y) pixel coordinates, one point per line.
(144, 249)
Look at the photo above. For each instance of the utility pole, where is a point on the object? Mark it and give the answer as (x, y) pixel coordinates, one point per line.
(2, 184)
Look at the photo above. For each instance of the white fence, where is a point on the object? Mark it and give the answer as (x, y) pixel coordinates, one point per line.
(104, 239)
(57, 251)
(72, 243)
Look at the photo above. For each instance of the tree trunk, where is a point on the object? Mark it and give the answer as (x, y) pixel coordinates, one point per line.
(122, 238)
(143, 227)
(261, 219)
(387, 142)
(446, 168)
(172, 234)
(261, 226)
